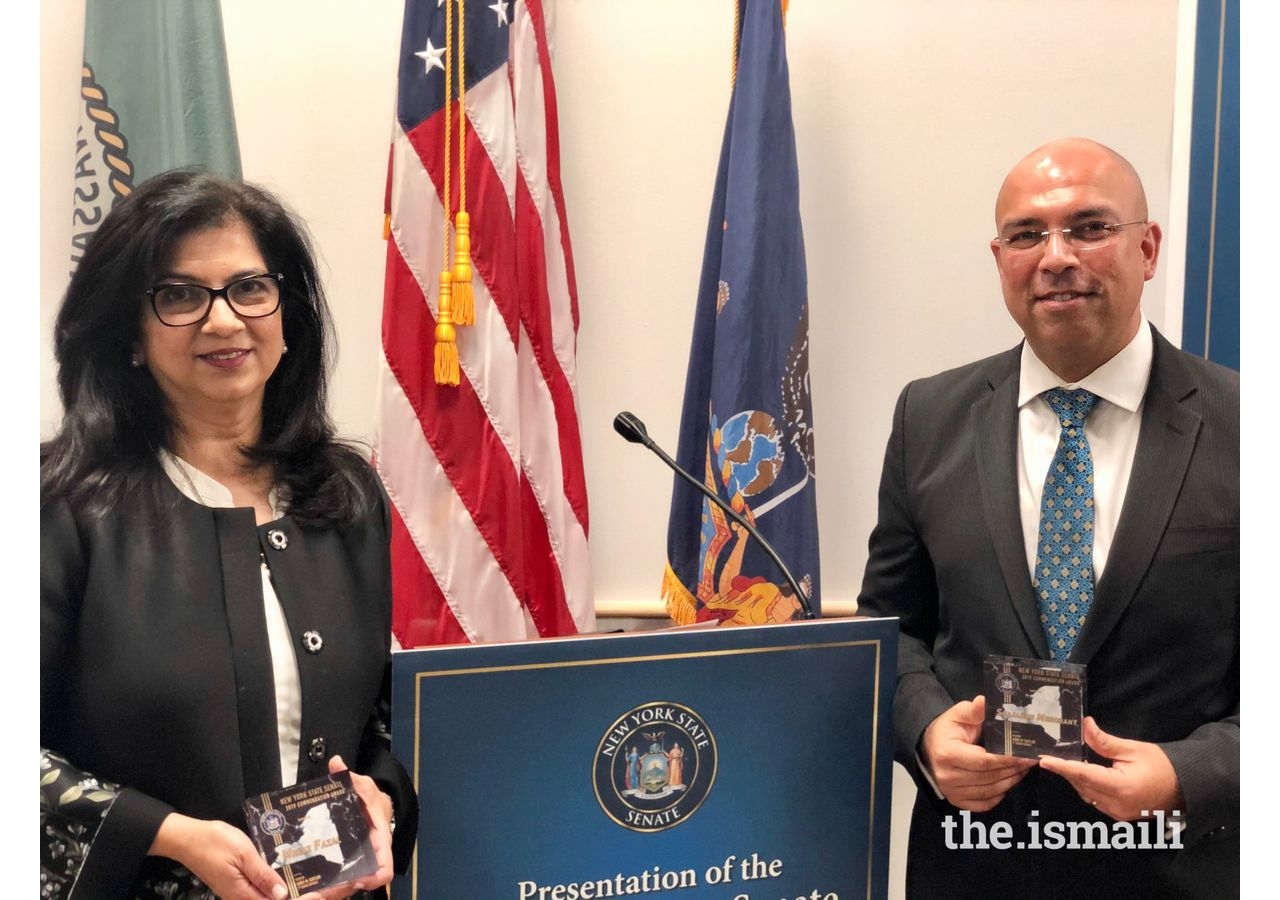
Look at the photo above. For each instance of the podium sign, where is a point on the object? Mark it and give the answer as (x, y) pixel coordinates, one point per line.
(720, 763)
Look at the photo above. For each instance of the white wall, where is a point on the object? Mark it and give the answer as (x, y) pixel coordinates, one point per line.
(907, 115)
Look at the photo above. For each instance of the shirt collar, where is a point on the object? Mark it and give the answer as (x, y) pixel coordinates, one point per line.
(200, 488)
(1121, 380)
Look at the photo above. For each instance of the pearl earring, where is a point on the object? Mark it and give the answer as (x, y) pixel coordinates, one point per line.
(284, 348)
(135, 360)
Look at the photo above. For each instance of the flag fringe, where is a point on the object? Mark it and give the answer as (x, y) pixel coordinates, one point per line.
(681, 605)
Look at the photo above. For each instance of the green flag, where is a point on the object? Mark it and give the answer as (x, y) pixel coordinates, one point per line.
(154, 95)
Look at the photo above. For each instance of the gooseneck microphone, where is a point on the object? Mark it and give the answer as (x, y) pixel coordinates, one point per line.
(631, 428)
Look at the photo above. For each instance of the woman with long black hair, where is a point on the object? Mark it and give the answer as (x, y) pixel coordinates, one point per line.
(215, 587)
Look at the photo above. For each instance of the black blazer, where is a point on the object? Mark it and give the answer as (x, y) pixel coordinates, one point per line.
(156, 675)
(1161, 644)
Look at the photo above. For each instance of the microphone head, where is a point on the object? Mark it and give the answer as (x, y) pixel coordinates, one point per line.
(631, 428)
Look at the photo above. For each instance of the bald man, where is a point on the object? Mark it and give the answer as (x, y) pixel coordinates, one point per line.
(1147, 597)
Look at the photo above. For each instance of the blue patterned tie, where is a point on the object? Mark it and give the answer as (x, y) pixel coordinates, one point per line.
(1063, 576)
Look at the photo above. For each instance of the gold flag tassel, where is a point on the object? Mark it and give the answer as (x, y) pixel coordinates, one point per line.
(464, 300)
(386, 196)
(464, 303)
(446, 336)
(446, 350)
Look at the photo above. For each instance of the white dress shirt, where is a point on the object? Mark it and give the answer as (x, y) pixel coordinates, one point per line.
(1111, 429)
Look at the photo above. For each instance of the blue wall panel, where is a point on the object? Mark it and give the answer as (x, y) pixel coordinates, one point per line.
(1211, 307)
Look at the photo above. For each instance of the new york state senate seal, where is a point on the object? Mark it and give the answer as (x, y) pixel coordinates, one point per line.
(654, 766)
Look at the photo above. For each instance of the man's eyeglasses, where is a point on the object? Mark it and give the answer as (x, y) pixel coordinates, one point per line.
(1085, 236)
(251, 297)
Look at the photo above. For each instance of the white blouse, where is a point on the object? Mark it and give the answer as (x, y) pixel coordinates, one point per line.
(202, 489)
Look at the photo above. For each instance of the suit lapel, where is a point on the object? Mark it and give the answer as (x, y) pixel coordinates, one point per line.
(1166, 439)
(995, 429)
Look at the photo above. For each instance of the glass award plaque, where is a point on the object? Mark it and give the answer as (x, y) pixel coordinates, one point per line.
(1034, 707)
(314, 834)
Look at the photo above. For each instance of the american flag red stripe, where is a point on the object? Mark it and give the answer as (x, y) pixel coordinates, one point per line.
(490, 528)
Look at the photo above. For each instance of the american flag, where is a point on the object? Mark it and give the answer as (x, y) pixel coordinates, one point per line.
(489, 538)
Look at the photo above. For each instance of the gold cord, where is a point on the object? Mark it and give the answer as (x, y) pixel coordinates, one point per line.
(446, 349)
(464, 304)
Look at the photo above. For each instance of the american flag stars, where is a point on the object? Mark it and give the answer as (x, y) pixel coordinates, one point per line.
(434, 57)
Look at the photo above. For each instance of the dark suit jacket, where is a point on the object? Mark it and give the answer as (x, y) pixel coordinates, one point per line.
(155, 671)
(1161, 643)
